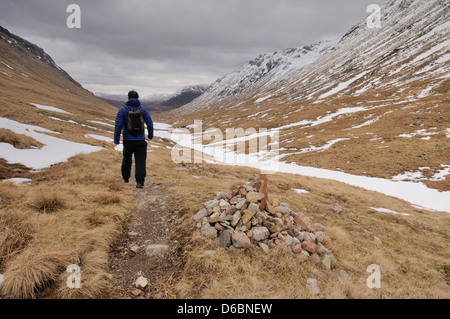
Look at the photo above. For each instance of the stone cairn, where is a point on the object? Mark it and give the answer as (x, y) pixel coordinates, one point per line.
(236, 221)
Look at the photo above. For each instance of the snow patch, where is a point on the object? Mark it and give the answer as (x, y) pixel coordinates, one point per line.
(50, 108)
(385, 210)
(99, 137)
(342, 86)
(101, 123)
(300, 191)
(55, 150)
(263, 98)
(18, 181)
(61, 120)
(415, 193)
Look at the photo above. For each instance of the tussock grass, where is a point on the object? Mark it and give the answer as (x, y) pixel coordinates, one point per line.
(61, 219)
(9, 194)
(47, 201)
(33, 271)
(18, 140)
(15, 232)
(412, 255)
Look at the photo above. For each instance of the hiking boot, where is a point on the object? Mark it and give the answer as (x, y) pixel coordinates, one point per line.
(139, 185)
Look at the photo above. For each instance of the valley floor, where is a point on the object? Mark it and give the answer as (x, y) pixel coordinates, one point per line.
(97, 221)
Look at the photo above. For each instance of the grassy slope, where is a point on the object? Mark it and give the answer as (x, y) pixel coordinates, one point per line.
(413, 256)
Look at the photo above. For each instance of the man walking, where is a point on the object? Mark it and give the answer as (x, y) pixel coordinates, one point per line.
(131, 120)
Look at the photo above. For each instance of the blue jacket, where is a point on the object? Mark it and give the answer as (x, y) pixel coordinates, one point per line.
(122, 118)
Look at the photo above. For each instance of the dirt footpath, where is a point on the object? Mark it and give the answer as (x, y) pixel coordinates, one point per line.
(152, 223)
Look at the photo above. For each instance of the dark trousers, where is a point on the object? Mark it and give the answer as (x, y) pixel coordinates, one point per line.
(139, 149)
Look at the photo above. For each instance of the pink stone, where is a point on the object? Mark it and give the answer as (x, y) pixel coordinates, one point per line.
(297, 249)
(309, 246)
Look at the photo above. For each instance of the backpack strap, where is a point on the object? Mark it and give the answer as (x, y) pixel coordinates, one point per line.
(129, 110)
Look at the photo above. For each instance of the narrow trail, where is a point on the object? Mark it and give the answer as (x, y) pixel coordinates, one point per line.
(152, 222)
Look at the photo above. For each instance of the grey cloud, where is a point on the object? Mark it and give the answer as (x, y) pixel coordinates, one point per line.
(167, 44)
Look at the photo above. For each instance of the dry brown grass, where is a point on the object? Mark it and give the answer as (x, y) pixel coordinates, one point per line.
(33, 271)
(47, 201)
(413, 256)
(18, 140)
(62, 220)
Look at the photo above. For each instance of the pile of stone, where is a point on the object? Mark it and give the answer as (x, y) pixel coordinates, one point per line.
(236, 220)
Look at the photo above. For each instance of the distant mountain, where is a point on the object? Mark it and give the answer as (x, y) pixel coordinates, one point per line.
(262, 73)
(184, 96)
(159, 103)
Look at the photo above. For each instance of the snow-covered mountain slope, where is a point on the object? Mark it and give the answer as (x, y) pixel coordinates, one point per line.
(375, 104)
(411, 46)
(158, 103)
(264, 72)
(183, 96)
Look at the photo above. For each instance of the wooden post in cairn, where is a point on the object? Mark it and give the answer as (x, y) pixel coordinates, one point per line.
(263, 189)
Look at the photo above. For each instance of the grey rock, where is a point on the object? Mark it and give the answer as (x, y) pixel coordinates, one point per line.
(135, 248)
(313, 286)
(213, 204)
(326, 261)
(240, 240)
(249, 189)
(236, 218)
(221, 195)
(253, 207)
(235, 200)
(336, 209)
(214, 218)
(153, 250)
(260, 233)
(343, 274)
(209, 231)
(301, 236)
(322, 249)
(288, 240)
(282, 210)
(141, 283)
(200, 214)
(241, 204)
(223, 204)
(224, 239)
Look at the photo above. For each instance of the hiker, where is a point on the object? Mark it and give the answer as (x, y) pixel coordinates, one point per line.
(131, 119)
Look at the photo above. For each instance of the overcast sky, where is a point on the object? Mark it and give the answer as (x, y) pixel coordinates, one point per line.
(160, 46)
